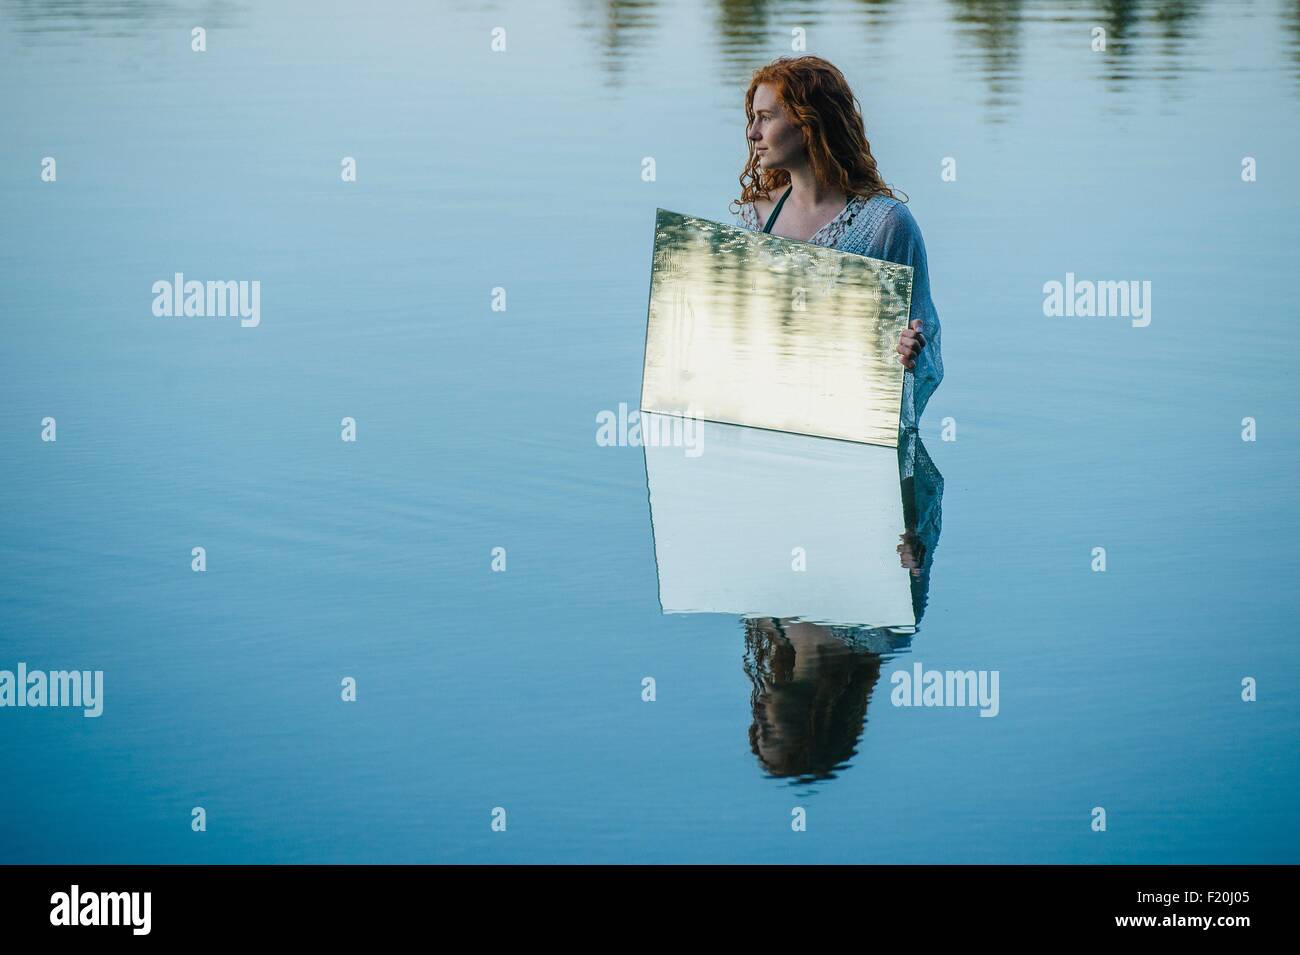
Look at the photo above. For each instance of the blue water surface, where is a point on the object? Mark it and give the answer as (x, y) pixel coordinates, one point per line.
(522, 170)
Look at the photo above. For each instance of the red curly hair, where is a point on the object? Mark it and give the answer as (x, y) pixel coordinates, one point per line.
(819, 101)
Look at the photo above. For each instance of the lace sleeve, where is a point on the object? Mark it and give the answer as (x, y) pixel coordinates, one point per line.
(902, 243)
(746, 218)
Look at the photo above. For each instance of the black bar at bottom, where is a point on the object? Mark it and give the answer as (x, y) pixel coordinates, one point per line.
(207, 903)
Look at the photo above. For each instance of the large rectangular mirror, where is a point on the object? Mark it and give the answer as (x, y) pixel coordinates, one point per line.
(753, 329)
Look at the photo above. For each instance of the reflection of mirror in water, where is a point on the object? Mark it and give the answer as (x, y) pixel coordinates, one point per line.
(823, 547)
(757, 523)
(811, 683)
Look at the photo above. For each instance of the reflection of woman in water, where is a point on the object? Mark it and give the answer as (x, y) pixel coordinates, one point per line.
(811, 682)
(811, 176)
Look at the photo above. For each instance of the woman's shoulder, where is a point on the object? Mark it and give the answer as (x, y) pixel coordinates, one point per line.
(880, 209)
(883, 223)
(860, 225)
(900, 216)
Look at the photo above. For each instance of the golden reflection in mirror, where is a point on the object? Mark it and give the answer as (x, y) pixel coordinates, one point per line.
(753, 329)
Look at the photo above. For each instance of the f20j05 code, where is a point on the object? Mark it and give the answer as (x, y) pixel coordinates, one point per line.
(1227, 898)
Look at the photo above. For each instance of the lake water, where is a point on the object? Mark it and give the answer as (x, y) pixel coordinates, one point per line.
(477, 428)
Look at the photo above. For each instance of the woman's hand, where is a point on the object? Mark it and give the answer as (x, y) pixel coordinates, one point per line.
(911, 552)
(910, 344)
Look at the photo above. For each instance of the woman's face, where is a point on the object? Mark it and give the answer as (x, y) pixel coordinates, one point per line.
(778, 142)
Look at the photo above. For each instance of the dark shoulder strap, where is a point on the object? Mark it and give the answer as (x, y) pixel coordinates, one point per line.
(771, 219)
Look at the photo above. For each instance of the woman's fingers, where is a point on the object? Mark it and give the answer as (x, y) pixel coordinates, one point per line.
(910, 344)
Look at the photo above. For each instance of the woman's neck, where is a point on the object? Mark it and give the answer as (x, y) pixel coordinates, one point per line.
(807, 192)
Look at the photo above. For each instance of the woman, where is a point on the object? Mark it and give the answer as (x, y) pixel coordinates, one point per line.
(811, 177)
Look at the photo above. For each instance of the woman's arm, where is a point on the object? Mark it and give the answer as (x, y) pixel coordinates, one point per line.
(899, 240)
